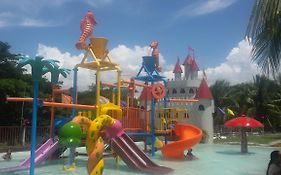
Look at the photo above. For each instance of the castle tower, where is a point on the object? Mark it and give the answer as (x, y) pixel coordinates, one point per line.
(177, 70)
(187, 66)
(194, 70)
(190, 87)
(190, 68)
(204, 109)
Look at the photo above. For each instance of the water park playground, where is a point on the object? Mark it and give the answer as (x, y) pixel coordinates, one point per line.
(213, 159)
(146, 140)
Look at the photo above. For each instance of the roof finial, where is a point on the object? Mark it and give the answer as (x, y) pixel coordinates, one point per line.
(191, 51)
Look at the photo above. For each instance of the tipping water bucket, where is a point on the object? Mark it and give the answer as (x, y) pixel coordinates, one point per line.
(99, 47)
(149, 63)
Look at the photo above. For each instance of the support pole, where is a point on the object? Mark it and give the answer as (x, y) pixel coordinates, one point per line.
(244, 142)
(34, 124)
(118, 87)
(165, 116)
(52, 112)
(98, 92)
(74, 92)
(152, 129)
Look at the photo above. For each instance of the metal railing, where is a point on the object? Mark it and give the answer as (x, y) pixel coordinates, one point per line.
(13, 135)
(225, 131)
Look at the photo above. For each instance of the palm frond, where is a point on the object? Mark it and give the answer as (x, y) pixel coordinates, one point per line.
(265, 32)
(64, 72)
(25, 61)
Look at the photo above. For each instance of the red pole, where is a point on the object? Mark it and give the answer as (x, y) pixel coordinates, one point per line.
(52, 110)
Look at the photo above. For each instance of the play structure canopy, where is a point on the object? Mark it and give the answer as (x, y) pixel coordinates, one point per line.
(244, 121)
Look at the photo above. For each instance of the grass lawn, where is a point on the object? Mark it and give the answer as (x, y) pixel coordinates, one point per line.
(252, 139)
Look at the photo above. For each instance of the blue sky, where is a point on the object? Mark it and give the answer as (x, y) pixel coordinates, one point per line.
(214, 28)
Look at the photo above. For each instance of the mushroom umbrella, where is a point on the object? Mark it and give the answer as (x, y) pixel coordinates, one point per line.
(244, 122)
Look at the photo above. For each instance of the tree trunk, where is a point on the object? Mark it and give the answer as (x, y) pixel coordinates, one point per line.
(244, 142)
(23, 136)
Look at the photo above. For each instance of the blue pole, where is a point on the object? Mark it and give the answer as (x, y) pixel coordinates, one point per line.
(34, 123)
(165, 106)
(74, 92)
(152, 127)
(72, 151)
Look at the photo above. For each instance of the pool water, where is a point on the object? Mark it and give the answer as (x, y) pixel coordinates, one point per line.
(213, 160)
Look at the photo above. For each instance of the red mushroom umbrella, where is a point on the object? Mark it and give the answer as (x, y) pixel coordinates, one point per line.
(244, 122)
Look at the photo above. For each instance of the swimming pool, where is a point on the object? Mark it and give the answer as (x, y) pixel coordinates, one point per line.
(213, 160)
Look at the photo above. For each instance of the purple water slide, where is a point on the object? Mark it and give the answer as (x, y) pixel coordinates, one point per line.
(41, 154)
(135, 158)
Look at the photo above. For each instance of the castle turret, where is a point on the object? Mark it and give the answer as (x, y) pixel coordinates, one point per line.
(177, 70)
(187, 66)
(204, 109)
(194, 70)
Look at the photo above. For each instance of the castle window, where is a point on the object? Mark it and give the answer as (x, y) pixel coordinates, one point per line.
(174, 91)
(201, 108)
(182, 91)
(191, 91)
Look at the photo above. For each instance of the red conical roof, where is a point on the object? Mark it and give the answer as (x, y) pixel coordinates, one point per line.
(146, 94)
(204, 91)
(244, 121)
(188, 60)
(194, 66)
(177, 68)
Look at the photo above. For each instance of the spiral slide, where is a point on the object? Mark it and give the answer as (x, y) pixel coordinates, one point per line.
(125, 147)
(41, 154)
(189, 135)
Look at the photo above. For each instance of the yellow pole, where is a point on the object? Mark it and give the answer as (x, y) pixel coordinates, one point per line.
(113, 96)
(118, 87)
(98, 92)
(90, 115)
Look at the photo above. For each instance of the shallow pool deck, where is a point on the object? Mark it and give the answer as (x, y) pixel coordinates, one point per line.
(213, 160)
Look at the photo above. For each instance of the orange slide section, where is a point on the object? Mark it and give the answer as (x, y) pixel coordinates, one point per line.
(189, 135)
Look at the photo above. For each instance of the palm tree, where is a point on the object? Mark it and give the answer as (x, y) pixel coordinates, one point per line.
(8, 62)
(220, 90)
(56, 71)
(273, 117)
(38, 64)
(241, 98)
(265, 33)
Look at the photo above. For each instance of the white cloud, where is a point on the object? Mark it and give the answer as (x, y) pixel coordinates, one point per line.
(98, 3)
(8, 19)
(129, 59)
(32, 13)
(203, 7)
(67, 61)
(28, 22)
(237, 67)
(31, 6)
(28, 13)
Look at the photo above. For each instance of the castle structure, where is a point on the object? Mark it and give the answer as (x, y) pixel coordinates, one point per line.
(187, 85)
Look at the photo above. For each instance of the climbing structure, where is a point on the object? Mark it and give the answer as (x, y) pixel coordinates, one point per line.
(149, 74)
(100, 62)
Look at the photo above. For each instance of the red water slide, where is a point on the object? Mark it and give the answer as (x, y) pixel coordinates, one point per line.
(189, 135)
